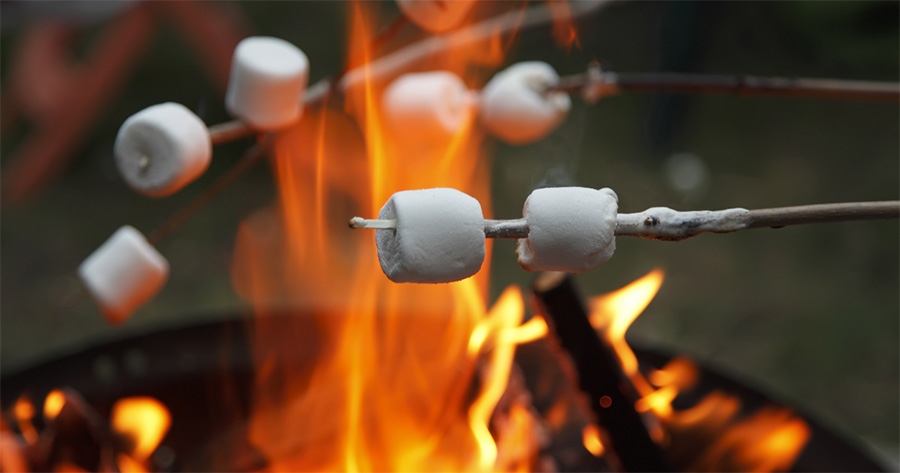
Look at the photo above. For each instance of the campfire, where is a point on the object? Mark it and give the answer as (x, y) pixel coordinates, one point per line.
(353, 361)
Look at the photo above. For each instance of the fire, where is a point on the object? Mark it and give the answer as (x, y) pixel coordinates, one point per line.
(374, 375)
(53, 403)
(144, 421)
(767, 440)
(23, 411)
(563, 28)
(371, 375)
(590, 436)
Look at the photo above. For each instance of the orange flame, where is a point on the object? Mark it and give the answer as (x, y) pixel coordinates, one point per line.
(372, 375)
(590, 436)
(53, 403)
(613, 313)
(769, 440)
(23, 411)
(563, 27)
(144, 420)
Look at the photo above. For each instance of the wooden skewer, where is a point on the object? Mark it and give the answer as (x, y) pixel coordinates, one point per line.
(595, 84)
(661, 223)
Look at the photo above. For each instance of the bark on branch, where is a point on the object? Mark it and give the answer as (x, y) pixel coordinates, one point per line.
(596, 84)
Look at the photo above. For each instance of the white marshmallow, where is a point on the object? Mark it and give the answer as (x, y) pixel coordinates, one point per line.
(571, 229)
(515, 108)
(436, 16)
(439, 236)
(123, 273)
(267, 82)
(162, 148)
(426, 106)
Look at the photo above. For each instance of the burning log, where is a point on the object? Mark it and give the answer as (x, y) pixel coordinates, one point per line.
(600, 376)
(75, 437)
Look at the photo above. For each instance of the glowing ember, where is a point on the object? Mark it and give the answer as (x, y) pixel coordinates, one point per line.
(590, 436)
(144, 420)
(53, 403)
(23, 410)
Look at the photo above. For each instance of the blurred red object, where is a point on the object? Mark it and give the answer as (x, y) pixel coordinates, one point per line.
(63, 98)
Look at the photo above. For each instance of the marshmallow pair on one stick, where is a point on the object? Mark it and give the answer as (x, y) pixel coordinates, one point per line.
(438, 234)
(514, 105)
(123, 274)
(164, 147)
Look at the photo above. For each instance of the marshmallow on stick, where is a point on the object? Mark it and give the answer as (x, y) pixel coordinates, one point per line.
(515, 106)
(427, 106)
(161, 149)
(267, 82)
(439, 236)
(570, 229)
(436, 16)
(123, 274)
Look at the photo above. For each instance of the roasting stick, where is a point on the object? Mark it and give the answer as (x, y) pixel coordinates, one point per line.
(595, 84)
(661, 223)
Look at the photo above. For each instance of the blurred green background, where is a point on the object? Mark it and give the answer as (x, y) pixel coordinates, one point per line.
(810, 314)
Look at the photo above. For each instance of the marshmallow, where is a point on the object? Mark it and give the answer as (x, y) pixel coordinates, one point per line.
(123, 274)
(162, 148)
(435, 16)
(267, 82)
(426, 106)
(439, 236)
(571, 229)
(515, 108)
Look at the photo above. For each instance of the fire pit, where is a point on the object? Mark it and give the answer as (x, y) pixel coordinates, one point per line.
(202, 374)
(346, 366)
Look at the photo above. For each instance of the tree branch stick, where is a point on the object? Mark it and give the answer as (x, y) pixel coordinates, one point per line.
(661, 223)
(595, 84)
(251, 157)
(411, 58)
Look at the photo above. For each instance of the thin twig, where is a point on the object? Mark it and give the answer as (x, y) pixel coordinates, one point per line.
(661, 223)
(251, 157)
(596, 84)
(229, 131)
(481, 35)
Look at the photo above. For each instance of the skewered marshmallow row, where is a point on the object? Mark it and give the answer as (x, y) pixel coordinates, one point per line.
(162, 148)
(123, 274)
(513, 106)
(437, 235)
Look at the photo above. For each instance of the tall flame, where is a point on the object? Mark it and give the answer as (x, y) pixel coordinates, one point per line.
(720, 440)
(371, 375)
